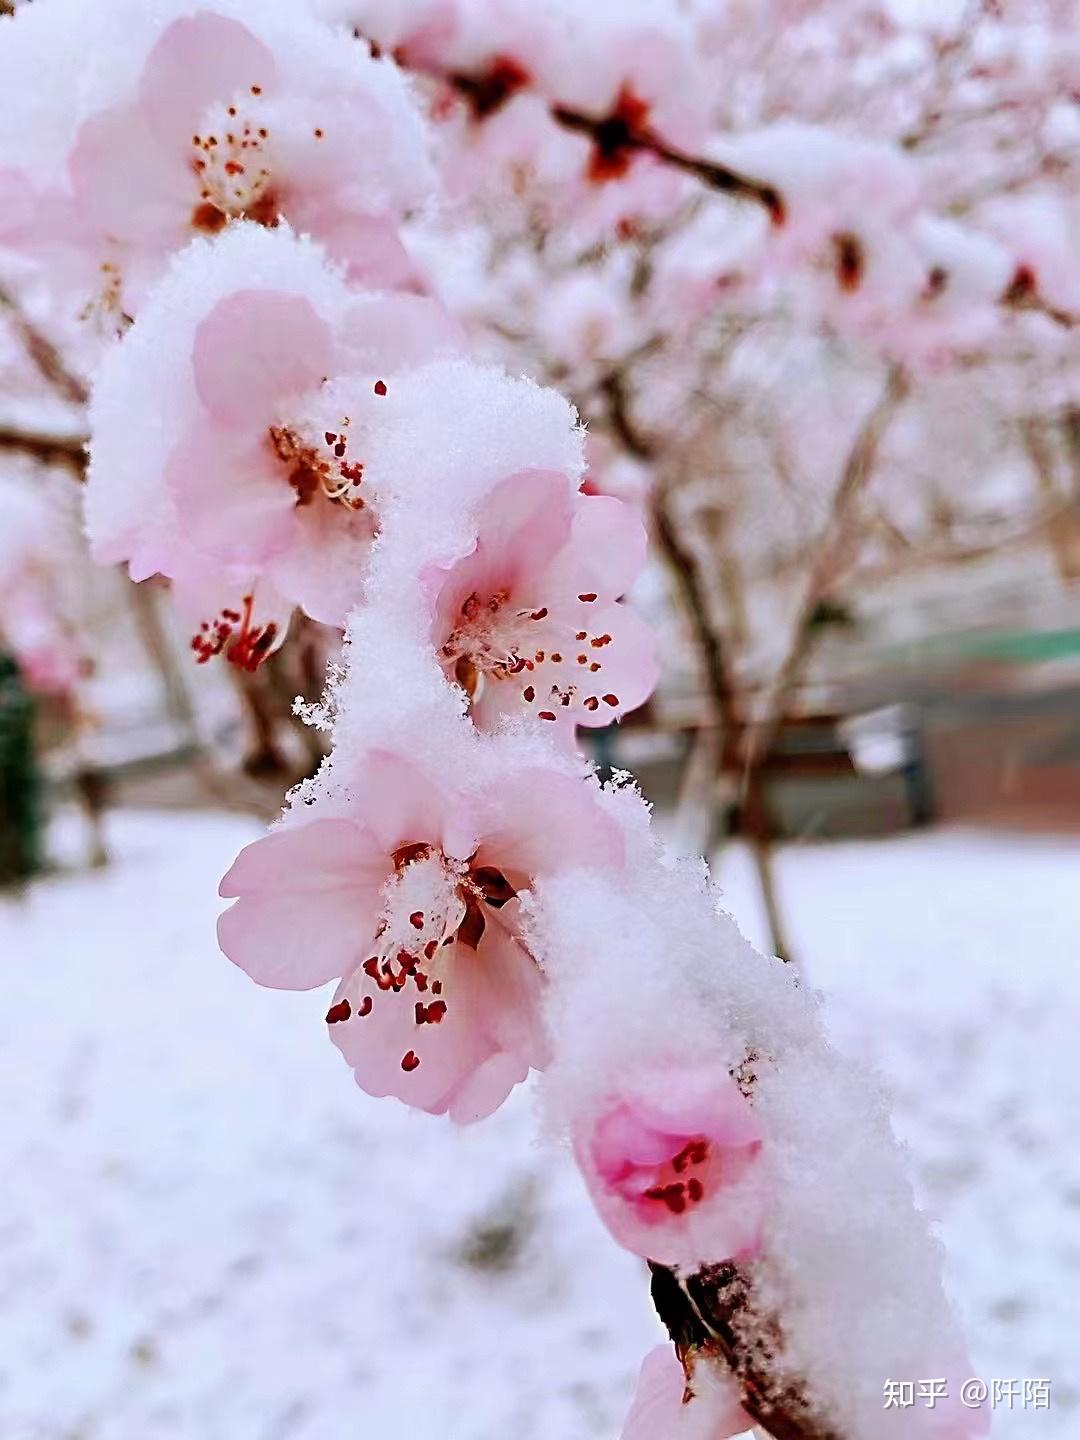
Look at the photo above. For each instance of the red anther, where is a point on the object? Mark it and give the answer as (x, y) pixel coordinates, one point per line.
(850, 262)
(489, 92)
(673, 1196)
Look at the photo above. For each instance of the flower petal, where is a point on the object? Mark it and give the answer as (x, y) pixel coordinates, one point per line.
(387, 333)
(606, 550)
(198, 60)
(459, 1067)
(125, 184)
(233, 499)
(629, 667)
(256, 350)
(323, 568)
(306, 903)
(538, 821)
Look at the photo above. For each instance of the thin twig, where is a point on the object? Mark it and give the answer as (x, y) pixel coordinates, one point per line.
(47, 449)
(626, 132)
(44, 353)
(855, 476)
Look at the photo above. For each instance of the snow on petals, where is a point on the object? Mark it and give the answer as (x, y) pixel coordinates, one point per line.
(698, 1403)
(228, 113)
(529, 620)
(413, 902)
(229, 428)
(671, 1162)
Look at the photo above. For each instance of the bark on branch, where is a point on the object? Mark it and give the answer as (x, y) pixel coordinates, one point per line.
(713, 1312)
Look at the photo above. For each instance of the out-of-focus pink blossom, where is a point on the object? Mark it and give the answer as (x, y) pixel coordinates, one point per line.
(529, 621)
(47, 651)
(565, 102)
(224, 124)
(413, 904)
(701, 1402)
(611, 472)
(671, 1161)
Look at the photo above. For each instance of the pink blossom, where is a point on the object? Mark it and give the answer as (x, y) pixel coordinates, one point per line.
(241, 475)
(254, 486)
(671, 1161)
(701, 1402)
(529, 621)
(227, 123)
(414, 905)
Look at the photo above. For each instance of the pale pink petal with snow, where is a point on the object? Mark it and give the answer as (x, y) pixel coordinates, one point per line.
(536, 822)
(388, 333)
(198, 60)
(147, 199)
(672, 1164)
(256, 350)
(232, 497)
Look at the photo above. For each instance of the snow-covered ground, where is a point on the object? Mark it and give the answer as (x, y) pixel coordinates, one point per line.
(207, 1233)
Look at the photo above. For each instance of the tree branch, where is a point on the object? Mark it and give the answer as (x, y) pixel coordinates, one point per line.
(67, 450)
(706, 1312)
(625, 132)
